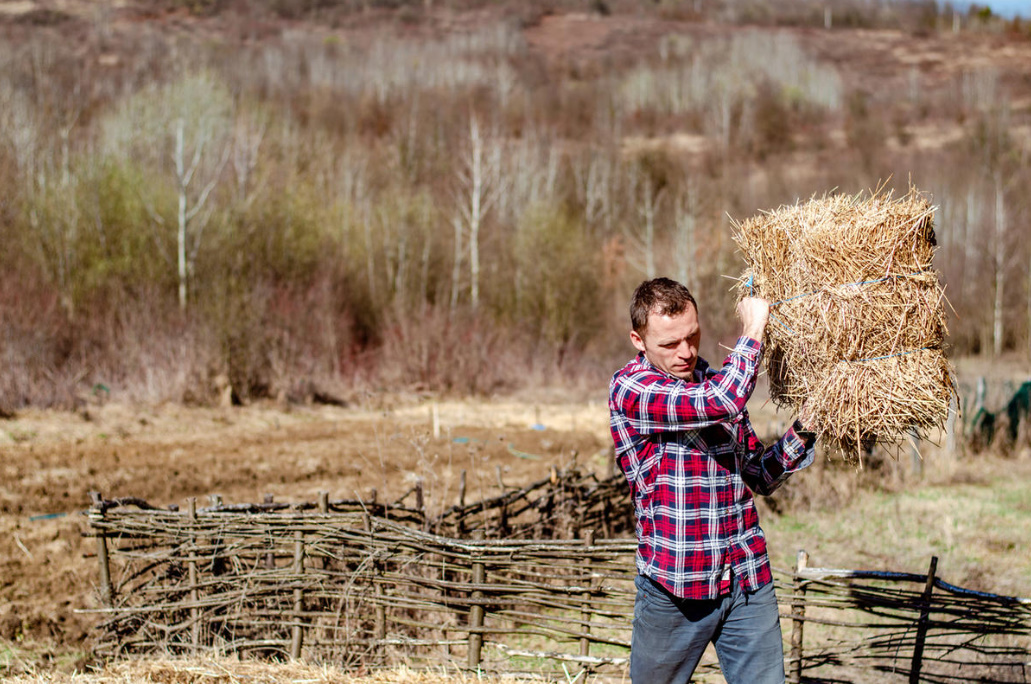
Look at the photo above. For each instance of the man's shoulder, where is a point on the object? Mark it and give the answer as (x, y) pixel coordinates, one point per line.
(634, 367)
(628, 377)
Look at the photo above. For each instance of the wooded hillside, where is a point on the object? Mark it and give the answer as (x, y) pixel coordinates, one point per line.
(270, 198)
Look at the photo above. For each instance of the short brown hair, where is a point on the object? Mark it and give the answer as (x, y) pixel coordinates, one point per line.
(663, 296)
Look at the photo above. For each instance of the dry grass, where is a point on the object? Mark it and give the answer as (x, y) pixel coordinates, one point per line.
(854, 346)
(225, 671)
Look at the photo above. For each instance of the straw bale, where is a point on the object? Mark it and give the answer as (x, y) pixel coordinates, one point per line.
(857, 326)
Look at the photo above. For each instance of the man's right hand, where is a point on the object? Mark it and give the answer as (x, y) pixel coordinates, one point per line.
(754, 313)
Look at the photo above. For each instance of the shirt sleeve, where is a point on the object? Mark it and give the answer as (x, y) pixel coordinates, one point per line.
(654, 402)
(766, 468)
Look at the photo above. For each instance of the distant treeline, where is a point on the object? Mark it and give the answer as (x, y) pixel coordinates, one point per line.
(274, 197)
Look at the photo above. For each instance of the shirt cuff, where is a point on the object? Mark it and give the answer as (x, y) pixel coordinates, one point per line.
(806, 436)
(748, 347)
(800, 442)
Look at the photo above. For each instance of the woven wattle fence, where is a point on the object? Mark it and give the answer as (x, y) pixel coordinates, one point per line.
(355, 583)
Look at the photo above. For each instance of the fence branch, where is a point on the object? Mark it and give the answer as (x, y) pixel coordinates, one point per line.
(235, 580)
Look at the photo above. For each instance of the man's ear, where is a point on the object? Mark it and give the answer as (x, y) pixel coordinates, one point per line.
(636, 340)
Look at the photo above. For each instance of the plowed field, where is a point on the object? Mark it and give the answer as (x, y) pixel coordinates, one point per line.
(50, 461)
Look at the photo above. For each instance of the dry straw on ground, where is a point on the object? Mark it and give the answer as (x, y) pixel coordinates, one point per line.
(857, 325)
(226, 671)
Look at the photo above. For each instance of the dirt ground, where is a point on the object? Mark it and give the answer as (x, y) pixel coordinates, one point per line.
(50, 461)
(972, 512)
(227, 671)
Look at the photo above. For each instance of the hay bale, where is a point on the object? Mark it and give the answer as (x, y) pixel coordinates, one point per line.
(857, 324)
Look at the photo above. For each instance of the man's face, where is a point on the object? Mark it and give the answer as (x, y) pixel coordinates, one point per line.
(670, 343)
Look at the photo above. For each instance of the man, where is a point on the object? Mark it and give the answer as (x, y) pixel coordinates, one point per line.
(690, 455)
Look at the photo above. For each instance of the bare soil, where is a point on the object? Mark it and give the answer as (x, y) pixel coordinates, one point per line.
(971, 511)
(50, 462)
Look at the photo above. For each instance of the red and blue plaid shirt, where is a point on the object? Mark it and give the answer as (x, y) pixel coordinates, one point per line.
(691, 457)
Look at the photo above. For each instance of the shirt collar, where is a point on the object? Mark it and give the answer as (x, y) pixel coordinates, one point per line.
(696, 374)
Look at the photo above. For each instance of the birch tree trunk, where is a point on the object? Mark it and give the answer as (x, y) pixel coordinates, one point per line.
(456, 266)
(649, 208)
(478, 190)
(183, 132)
(684, 248)
(475, 217)
(1000, 265)
(183, 183)
(640, 232)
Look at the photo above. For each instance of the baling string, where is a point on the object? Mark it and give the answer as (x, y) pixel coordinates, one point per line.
(751, 292)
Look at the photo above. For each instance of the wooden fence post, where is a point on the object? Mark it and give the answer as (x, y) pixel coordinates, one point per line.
(107, 591)
(420, 505)
(270, 556)
(921, 625)
(798, 618)
(324, 510)
(951, 441)
(479, 577)
(460, 523)
(297, 636)
(585, 607)
(194, 579)
(914, 453)
(377, 587)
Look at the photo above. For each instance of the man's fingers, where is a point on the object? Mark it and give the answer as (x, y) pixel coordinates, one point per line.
(755, 314)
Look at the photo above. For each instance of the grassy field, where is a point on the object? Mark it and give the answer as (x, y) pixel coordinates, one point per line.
(974, 515)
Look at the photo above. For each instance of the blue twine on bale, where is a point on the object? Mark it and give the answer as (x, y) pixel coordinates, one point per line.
(751, 293)
(858, 284)
(886, 356)
(781, 323)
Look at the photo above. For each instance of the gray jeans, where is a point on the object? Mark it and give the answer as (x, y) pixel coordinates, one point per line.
(670, 635)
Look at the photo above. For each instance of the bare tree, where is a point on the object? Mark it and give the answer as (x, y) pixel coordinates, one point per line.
(354, 201)
(181, 131)
(592, 174)
(1001, 162)
(49, 185)
(456, 264)
(641, 236)
(971, 218)
(684, 250)
(191, 199)
(528, 176)
(999, 262)
(249, 130)
(478, 187)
